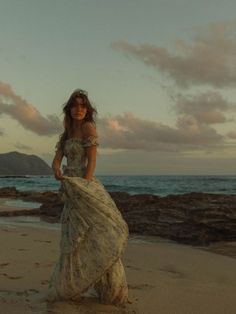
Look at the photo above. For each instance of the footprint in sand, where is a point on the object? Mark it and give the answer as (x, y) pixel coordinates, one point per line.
(46, 241)
(4, 264)
(172, 271)
(33, 290)
(137, 268)
(44, 282)
(143, 286)
(132, 267)
(12, 277)
(13, 248)
(37, 264)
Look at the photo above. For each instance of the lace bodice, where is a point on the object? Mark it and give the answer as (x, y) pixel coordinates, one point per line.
(74, 151)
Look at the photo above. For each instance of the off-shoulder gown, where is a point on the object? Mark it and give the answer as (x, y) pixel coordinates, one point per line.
(94, 235)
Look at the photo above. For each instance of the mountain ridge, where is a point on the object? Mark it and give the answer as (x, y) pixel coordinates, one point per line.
(16, 163)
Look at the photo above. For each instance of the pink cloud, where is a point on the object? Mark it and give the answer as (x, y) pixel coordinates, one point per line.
(136, 133)
(196, 115)
(231, 135)
(206, 107)
(26, 114)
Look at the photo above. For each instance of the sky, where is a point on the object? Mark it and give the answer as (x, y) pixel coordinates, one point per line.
(160, 73)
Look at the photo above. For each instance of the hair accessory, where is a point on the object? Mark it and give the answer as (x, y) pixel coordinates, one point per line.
(81, 91)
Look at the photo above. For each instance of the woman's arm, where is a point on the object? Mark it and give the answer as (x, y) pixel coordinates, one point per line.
(89, 132)
(56, 164)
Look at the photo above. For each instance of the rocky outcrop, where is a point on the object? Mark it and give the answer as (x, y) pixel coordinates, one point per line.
(16, 164)
(192, 218)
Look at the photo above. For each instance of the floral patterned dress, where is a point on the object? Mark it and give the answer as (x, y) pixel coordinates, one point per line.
(94, 235)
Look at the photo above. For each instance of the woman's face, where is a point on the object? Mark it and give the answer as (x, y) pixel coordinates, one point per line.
(78, 110)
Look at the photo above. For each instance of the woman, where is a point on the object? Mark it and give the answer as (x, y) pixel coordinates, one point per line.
(93, 232)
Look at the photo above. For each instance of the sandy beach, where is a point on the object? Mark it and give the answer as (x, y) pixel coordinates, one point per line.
(164, 277)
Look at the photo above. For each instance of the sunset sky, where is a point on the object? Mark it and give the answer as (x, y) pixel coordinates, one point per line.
(161, 74)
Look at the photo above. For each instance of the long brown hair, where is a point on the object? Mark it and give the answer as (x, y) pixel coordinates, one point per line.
(68, 120)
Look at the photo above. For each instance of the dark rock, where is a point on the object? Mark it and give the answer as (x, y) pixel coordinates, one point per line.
(192, 218)
(9, 191)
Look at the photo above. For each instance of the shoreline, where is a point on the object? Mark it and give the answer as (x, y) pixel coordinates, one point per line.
(29, 213)
(225, 248)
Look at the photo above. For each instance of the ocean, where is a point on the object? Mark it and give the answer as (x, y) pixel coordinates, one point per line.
(160, 185)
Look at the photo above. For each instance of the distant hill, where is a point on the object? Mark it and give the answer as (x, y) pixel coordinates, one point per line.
(15, 163)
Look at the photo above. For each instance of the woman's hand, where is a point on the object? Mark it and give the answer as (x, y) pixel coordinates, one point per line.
(88, 179)
(58, 174)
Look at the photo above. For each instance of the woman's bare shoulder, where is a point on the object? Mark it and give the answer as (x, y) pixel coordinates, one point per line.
(89, 129)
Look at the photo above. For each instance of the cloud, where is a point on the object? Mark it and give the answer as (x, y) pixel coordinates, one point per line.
(196, 116)
(164, 163)
(206, 107)
(26, 114)
(139, 134)
(193, 129)
(231, 135)
(23, 146)
(209, 59)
